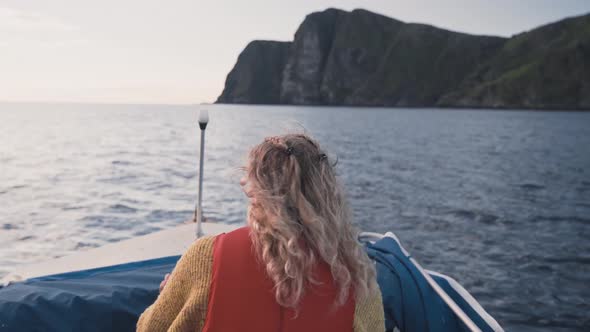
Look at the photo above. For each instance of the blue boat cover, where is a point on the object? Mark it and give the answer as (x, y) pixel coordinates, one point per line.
(112, 298)
(409, 301)
(103, 299)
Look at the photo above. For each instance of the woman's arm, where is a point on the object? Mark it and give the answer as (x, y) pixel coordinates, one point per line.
(368, 314)
(182, 304)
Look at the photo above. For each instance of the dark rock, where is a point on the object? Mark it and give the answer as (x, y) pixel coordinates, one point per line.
(310, 50)
(256, 77)
(366, 59)
(420, 64)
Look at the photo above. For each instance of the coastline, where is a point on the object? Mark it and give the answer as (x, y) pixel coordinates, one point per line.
(466, 108)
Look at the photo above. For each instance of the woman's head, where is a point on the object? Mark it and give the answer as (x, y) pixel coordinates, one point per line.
(299, 215)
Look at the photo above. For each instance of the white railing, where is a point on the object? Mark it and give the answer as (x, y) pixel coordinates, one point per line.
(373, 237)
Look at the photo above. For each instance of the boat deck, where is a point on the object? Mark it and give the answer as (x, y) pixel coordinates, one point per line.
(163, 243)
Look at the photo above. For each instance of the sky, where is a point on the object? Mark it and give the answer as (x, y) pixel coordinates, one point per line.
(180, 51)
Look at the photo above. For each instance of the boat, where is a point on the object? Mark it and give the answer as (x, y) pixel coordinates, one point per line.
(107, 288)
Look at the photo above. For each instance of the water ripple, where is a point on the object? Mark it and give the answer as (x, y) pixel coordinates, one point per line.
(497, 200)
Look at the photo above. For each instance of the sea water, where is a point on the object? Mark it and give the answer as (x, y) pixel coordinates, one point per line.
(499, 200)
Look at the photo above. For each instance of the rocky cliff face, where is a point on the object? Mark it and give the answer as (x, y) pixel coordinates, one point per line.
(366, 59)
(256, 78)
(303, 73)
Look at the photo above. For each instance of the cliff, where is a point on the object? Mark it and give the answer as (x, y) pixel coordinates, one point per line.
(366, 59)
(548, 67)
(257, 76)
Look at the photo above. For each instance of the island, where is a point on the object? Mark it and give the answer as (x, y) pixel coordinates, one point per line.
(360, 58)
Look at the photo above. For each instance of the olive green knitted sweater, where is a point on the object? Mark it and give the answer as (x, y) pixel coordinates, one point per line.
(182, 304)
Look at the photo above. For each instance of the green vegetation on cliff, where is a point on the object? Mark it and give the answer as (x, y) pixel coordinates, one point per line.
(366, 59)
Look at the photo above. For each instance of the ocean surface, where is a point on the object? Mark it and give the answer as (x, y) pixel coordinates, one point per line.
(499, 200)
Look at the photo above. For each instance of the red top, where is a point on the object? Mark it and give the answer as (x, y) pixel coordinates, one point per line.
(241, 296)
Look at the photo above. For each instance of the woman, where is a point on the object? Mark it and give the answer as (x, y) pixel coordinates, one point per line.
(296, 267)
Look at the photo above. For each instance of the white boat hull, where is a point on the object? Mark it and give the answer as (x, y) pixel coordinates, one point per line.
(169, 242)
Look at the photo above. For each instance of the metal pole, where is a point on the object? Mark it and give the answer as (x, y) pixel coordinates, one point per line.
(203, 120)
(200, 199)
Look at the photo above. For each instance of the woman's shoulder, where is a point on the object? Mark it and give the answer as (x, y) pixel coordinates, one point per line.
(204, 245)
(200, 246)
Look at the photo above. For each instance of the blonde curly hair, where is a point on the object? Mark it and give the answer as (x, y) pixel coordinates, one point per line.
(299, 216)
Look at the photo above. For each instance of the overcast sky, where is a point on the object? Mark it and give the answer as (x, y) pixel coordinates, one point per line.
(180, 51)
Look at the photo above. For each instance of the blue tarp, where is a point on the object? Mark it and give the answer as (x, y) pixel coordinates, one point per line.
(112, 298)
(408, 300)
(103, 299)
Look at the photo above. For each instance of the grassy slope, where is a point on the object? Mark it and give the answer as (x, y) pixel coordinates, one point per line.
(548, 67)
